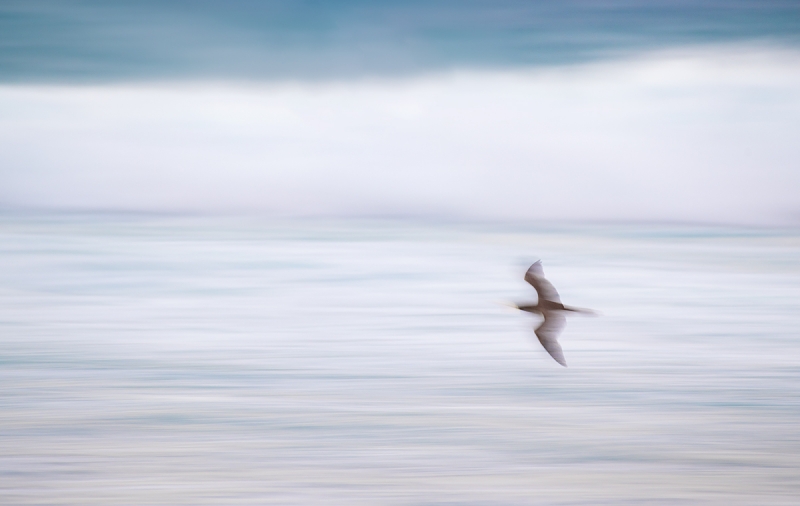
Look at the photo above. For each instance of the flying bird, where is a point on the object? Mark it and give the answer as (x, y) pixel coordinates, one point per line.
(550, 307)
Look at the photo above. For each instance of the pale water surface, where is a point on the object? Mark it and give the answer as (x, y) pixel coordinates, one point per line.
(195, 360)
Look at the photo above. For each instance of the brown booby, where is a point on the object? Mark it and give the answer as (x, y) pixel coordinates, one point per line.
(550, 307)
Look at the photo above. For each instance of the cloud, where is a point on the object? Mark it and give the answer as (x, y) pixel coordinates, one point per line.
(697, 134)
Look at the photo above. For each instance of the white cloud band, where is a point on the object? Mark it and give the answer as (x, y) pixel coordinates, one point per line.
(699, 135)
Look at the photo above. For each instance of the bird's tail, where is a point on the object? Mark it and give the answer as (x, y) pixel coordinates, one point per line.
(590, 312)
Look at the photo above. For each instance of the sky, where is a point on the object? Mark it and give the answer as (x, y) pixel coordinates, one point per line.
(508, 110)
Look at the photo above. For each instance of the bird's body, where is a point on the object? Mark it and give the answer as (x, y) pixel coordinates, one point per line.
(550, 307)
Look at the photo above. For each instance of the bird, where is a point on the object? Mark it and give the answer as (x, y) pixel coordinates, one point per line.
(550, 307)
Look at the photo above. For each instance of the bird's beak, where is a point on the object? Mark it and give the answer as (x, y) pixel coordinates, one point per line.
(508, 304)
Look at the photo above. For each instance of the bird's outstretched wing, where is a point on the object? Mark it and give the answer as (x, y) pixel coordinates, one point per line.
(548, 332)
(545, 289)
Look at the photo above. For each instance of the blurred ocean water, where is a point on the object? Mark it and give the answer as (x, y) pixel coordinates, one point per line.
(197, 360)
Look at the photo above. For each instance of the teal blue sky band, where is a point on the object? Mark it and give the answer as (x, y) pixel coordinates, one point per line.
(90, 40)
